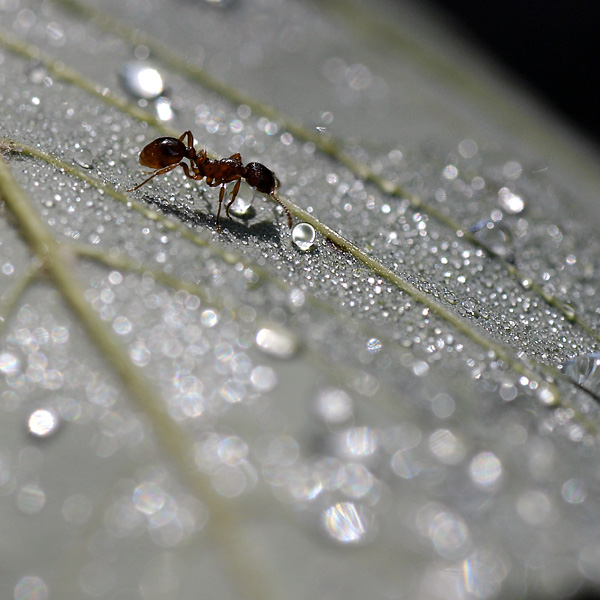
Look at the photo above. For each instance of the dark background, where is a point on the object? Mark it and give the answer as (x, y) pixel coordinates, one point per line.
(553, 46)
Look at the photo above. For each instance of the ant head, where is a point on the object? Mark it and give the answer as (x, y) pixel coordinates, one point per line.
(260, 178)
(162, 152)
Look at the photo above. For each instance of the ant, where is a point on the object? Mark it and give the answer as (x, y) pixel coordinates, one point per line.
(167, 153)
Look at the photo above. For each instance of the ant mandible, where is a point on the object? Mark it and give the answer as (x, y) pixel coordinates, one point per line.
(167, 153)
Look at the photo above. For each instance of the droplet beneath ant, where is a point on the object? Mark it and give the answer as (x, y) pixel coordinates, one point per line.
(166, 153)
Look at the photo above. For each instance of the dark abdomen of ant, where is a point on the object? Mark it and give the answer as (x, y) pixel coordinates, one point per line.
(166, 153)
(260, 178)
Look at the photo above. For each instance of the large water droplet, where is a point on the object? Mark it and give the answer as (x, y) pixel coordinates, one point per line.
(142, 80)
(304, 236)
(43, 423)
(240, 207)
(276, 341)
(348, 522)
(585, 370)
(83, 158)
(494, 236)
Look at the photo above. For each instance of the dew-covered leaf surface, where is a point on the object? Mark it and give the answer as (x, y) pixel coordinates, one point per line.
(398, 398)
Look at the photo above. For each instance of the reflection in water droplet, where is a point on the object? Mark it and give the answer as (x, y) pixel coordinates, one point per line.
(485, 469)
(333, 406)
(84, 158)
(483, 574)
(494, 236)
(276, 341)
(141, 80)
(43, 422)
(31, 499)
(511, 203)
(241, 207)
(348, 523)
(304, 236)
(585, 370)
(31, 587)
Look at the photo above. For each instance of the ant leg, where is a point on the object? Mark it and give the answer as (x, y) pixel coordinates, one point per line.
(221, 194)
(159, 172)
(234, 193)
(287, 212)
(196, 175)
(190, 138)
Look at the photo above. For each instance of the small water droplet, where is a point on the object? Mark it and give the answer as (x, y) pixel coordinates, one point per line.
(276, 341)
(304, 236)
(585, 370)
(348, 522)
(142, 80)
(83, 158)
(43, 423)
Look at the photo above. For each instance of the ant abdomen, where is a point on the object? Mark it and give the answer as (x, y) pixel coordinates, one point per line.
(260, 178)
(162, 152)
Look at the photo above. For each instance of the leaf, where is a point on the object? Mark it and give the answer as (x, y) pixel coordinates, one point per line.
(187, 412)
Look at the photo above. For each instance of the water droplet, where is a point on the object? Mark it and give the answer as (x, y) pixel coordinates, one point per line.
(304, 236)
(83, 158)
(276, 341)
(534, 507)
(164, 108)
(9, 363)
(142, 80)
(446, 446)
(574, 491)
(585, 370)
(493, 235)
(31, 499)
(31, 587)
(334, 406)
(483, 573)
(362, 441)
(264, 379)
(241, 207)
(149, 498)
(43, 423)
(485, 469)
(374, 345)
(348, 522)
(509, 202)
(449, 534)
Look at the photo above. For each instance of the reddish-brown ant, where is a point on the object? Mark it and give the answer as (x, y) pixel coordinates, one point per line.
(166, 153)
